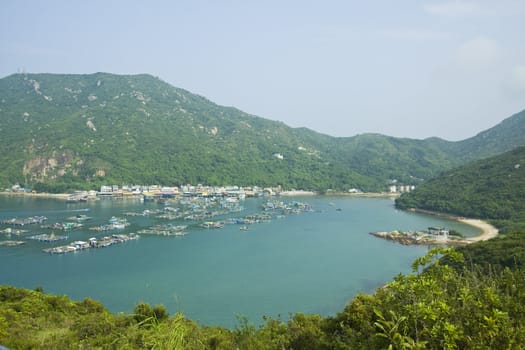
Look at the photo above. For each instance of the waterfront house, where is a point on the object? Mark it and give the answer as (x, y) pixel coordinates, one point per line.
(439, 232)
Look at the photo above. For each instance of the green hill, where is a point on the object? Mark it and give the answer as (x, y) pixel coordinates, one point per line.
(507, 135)
(61, 132)
(103, 128)
(493, 188)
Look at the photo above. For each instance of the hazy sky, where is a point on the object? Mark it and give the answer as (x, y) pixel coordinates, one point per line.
(410, 68)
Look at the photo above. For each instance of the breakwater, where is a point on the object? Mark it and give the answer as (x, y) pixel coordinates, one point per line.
(419, 238)
(91, 243)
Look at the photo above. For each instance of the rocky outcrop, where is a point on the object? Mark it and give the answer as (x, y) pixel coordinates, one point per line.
(41, 168)
(418, 238)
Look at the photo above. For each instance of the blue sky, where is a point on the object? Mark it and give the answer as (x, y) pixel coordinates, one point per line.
(402, 68)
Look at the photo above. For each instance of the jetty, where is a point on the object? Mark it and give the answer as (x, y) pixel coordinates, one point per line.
(115, 223)
(169, 213)
(165, 230)
(145, 212)
(9, 231)
(63, 226)
(79, 218)
(432, 236)
(47, 238)
(91, 243)
(212, 224)
(11, 243)
(24, 221)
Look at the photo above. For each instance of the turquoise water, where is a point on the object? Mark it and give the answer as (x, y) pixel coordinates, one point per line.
(312, 262)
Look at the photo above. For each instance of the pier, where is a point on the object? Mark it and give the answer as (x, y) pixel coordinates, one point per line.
(165, 230)
(24, 221)
(47, 238)
(91, 243)
(431, 237)
(11, 243)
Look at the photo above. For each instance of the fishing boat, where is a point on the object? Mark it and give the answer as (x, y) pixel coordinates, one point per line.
(212, 224)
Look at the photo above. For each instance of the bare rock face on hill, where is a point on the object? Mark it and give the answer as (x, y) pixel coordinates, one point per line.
(41, 168)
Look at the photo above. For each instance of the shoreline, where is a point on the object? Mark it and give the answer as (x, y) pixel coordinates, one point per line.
(487, 231)
(294, 193)
(364, 194)
(36, 194)
(299, 193)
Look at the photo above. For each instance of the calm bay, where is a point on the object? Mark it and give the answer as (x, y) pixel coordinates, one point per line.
(313, 262)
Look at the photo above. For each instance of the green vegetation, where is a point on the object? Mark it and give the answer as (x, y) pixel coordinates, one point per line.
(491, 189)
(435, 307)
(507, 251)
(65, 132)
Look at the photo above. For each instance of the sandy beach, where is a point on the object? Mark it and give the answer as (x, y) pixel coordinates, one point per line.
(487, 230)
(422, 238)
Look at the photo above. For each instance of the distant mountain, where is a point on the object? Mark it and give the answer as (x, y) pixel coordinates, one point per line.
(503, 137)
(492, 188)
(59, 132)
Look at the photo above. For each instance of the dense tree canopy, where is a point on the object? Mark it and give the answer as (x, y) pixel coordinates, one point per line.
(491, 189)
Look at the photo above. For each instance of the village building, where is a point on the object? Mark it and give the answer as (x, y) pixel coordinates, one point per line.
(439, 232)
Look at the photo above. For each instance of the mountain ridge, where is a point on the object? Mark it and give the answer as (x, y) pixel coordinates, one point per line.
(89, 129)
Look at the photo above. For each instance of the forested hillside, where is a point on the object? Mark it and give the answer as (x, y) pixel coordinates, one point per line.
(492, 188)
(506, 136)
(63, 132)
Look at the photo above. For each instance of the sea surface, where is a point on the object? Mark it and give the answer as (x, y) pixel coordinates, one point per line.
(312, 262)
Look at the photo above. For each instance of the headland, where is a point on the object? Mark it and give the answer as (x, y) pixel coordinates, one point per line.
(487, 231)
